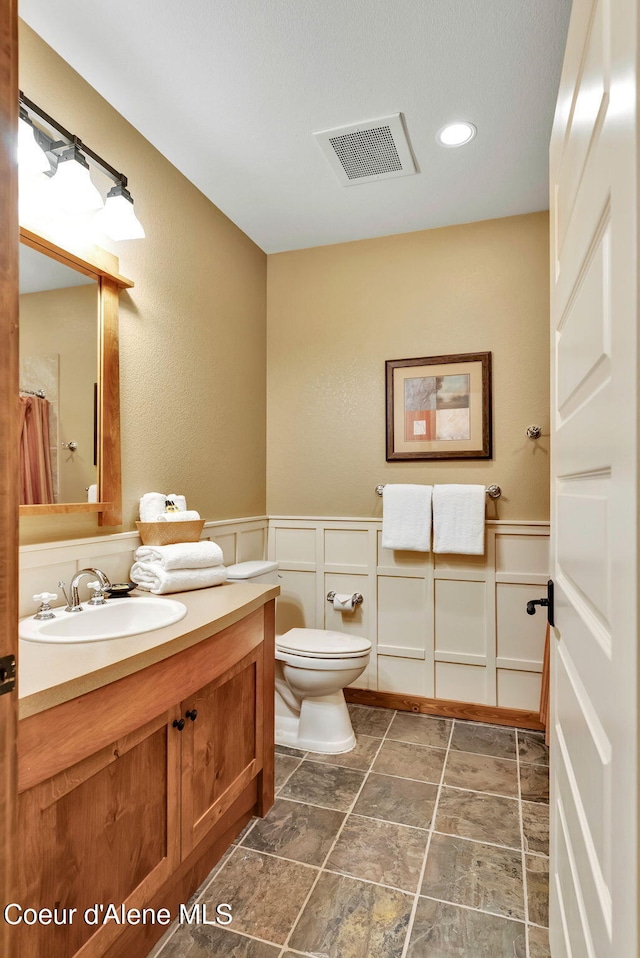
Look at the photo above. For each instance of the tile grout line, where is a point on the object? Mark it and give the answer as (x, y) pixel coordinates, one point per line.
(388, 821)
(406, 778)
(416, 900)
(285, 946)
(522, 852)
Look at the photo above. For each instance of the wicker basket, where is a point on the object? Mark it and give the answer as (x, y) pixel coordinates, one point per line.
(168, 533)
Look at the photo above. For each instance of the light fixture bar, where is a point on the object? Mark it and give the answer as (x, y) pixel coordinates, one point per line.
(71, 140)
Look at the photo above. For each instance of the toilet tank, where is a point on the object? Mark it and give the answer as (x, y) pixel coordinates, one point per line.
(258, 570)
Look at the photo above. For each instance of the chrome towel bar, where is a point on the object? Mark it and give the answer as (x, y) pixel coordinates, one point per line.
(493, 491)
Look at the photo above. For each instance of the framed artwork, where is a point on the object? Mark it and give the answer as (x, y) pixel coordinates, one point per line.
(439, 407)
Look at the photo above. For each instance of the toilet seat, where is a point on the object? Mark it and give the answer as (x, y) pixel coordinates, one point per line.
(322, 644)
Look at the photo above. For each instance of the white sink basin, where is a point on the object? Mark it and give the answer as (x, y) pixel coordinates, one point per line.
(114, 620)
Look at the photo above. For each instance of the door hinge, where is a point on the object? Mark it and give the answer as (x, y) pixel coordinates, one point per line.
(7, 673)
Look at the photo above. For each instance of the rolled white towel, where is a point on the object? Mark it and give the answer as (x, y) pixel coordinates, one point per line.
(181, 555)
(151, 505)
(187, 516)
(92, 492)
(153, 578)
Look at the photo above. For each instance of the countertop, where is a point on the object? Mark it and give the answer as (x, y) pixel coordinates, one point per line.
(51, 674)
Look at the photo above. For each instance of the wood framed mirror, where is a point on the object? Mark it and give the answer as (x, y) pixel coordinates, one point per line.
(69, 404)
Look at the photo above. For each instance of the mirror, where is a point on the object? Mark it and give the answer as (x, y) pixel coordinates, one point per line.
(58, 381)
(69, 380)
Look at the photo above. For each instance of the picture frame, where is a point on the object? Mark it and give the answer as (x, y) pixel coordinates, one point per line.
(439, 407)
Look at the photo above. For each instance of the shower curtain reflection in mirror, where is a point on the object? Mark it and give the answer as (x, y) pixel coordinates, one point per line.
(36, 484)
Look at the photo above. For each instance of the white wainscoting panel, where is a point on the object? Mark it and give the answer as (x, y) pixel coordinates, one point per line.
(462, 683)
(297, 602)
(396, 673)
(518, 635)
(461, 618)
(518, 690)
(441, 626)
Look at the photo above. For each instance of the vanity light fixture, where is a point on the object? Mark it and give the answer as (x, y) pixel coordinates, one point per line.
(118, 219)
(73, 189)
(68, 168)
(456, 134)
(32, 158)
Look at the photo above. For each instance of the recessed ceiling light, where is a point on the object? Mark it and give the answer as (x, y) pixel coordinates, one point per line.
(456, 134)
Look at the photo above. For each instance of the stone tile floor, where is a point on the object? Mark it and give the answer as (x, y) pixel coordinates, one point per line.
(428, 840)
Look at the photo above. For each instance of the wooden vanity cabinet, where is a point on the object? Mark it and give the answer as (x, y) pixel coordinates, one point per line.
(129, 794)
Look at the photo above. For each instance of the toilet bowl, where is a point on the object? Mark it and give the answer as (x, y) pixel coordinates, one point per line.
(313, 666)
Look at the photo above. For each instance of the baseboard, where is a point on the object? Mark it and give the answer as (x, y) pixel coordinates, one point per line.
(492, 714)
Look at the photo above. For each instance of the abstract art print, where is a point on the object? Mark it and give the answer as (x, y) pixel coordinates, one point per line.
(439, 407)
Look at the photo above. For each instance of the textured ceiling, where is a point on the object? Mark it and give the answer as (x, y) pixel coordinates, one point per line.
(231, 92)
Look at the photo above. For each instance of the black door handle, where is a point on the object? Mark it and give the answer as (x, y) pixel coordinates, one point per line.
(546, 603)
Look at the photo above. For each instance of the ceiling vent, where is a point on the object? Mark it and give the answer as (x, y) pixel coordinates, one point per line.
(373, 150)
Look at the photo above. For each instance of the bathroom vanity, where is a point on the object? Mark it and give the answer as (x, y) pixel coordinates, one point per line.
(135, 775)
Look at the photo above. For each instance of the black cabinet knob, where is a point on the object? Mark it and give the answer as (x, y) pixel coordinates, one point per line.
(192, 714)
(179, 724)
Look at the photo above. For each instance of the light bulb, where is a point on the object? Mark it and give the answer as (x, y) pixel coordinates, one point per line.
(31, 157)
(74, 191)
(118, 219)
(456, 134)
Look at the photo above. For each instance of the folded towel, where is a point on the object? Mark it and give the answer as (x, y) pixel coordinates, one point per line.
(406, 517)
(151, 505)
(181, 555)
(187, 516)
(458, 519)
(153, 578)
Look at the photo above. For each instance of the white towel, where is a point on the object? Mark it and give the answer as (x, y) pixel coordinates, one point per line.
(406, 517)
(92, 492)
(458, 519)
(181, 555)
(153, 578)
(151, 505)
(188, 516)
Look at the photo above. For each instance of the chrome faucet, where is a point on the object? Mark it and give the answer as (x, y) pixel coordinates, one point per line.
(98, 598)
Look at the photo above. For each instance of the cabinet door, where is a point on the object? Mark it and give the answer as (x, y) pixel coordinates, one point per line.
(222, 748)
(104, 831)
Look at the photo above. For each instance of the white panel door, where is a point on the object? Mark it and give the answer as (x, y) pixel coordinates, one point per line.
(594, 224)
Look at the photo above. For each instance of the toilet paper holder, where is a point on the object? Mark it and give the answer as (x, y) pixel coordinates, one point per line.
(357, 597)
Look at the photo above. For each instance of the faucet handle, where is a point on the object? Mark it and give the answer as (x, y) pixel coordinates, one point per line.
(98, 594)
(45, 596)
(44, 612)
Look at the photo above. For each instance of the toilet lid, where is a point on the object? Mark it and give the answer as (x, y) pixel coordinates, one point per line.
(322, 644)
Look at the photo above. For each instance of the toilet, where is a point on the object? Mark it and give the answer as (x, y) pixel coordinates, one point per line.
(313, 666)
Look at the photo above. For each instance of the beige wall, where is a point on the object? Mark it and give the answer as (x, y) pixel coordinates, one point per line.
(64, 322)
(192, 331)
(336, 313)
